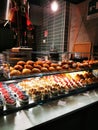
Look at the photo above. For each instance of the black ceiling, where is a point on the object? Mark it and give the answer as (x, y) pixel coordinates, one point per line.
(38, 2)
(75, 1)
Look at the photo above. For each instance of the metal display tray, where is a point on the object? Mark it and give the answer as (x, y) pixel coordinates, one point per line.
(8, 77)
(41, 102)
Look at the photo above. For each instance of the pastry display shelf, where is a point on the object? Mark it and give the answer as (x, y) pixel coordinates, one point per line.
(42, 114)
(38, 113)
(16, 79)
(32, 103)
(8, 77)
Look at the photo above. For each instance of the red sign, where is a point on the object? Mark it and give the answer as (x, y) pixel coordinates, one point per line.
(45, 33)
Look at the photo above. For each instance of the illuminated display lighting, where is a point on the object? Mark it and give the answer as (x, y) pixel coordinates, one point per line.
(54, 6)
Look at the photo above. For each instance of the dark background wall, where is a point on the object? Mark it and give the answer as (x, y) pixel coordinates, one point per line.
(6, 39)
(54, 23)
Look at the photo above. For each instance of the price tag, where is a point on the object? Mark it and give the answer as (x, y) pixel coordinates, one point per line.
(62, 103)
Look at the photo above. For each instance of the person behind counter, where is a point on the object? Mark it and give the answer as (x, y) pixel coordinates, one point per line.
(54, 55)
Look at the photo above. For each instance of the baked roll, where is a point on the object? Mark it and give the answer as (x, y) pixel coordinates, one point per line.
(15, 73)
(18, 67)
(36, 70)
(28, 66)
(44, 69)
(22, 63)
(30, 62)
(26, 71)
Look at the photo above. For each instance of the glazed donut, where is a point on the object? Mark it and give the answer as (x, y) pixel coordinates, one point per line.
(46, 65)
(37, 66)
(30, 62)
(39, 62)
(28, 66)
(22, 63)
(18, 67)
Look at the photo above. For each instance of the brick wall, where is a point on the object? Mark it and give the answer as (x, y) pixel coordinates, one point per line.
(54, 23)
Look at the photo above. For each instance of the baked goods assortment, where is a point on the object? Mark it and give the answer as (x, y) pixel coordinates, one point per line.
(42, 88)
(20, 95)
(37, 89)
(11, 96)
(8, 99)
(31, 67)
(54, 85)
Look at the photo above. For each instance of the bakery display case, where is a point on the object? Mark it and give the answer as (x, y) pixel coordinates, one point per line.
(12, 56)
(30, 83)
(33, 84)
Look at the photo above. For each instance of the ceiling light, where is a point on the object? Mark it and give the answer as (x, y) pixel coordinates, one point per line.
(54, 6)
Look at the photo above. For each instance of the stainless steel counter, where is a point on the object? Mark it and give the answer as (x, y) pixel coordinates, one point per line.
(42, 113)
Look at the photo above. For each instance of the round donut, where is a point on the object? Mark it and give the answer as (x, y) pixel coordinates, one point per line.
(22, 63)
(28, 66)
(18, 67)
(30, 62)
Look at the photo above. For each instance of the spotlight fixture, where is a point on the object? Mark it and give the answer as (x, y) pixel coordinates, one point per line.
(54, 6)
